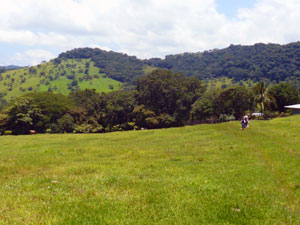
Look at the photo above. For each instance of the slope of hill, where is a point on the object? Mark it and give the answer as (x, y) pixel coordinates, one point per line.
(117, 66)
(63, 77)
(260, 61)
(206, 174)
(273, 62)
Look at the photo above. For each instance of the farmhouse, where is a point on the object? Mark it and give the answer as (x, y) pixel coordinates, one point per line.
(295, 108)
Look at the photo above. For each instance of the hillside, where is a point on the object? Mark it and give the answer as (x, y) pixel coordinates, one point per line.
(261, 61)
(63, 77)
(206, 174)
(241, 63)
(107, 70)
(272, 62)
(117, 66)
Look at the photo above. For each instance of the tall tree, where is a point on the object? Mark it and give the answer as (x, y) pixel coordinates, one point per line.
(262, 97)
(23, 116)
(169, 96)
(234, 101)
(284, 94)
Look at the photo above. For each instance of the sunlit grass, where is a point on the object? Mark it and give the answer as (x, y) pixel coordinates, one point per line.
(206, 174)
(49, 76)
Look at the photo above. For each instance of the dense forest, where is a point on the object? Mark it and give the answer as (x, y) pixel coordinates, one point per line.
(161, 99)
(262, 61)
(272, 62)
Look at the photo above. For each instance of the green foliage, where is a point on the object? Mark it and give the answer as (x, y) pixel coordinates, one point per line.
(88, 128)
(66, 123)
(284, 94)
(53, 106)
(202, 109)
(234, 101)
(62, 78)
(88, 99)
(260, 61)
(23, 115)
(166, 93)
(87, 68)
(48, 131)
(117, 66)
(262, 96)
(3, 121)
(118, 109)
(161, 99)
(144, 117)
(7, 132)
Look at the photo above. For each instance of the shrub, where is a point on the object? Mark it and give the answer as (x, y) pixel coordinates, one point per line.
(66, 123)
(54, 128)
(270, 114)
(226, 118)
(8, 132)
(117, 128)
(88, 128)
(48, 131)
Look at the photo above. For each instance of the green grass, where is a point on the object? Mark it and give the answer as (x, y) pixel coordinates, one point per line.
(206, 174)
(224, 82)
(49, 76)
(149, 69)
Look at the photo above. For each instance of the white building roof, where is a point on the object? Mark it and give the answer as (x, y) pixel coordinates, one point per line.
(297, 106)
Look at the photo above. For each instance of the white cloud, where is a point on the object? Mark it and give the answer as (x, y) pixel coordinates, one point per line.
(30, 57)
(146, 28)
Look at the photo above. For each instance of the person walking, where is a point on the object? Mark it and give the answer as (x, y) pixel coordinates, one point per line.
(243, 123)
(246, 118)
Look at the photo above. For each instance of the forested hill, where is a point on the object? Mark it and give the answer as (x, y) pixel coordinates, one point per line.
(117, 66)
(260, 61)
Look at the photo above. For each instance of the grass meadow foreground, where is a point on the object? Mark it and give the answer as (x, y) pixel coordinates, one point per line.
(206, 174)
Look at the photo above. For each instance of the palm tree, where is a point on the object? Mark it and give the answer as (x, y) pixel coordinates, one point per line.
(262, 97)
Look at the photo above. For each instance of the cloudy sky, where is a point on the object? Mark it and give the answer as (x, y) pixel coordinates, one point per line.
(33, 30)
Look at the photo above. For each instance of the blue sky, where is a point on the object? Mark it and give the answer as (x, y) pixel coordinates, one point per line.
(32, 31)
(230, 7)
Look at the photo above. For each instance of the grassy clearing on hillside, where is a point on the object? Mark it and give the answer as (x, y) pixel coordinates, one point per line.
(206, 174)
(224, 82)
(55, 78)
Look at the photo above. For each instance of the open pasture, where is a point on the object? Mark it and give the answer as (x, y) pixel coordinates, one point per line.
(204, 174)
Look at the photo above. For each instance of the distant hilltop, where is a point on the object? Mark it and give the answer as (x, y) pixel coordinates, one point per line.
(10, 67)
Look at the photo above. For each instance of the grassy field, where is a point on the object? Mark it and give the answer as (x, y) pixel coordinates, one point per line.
(223, 82)
(206, 174)
(56, 78)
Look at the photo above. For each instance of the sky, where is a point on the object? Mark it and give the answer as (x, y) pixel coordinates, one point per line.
(32, 31)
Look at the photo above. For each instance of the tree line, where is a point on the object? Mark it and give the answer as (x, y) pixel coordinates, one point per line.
(160, 100)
